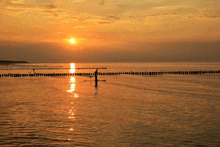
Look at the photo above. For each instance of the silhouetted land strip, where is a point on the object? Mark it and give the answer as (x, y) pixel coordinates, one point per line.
(11, 62)
(111, 73)
(53, 68)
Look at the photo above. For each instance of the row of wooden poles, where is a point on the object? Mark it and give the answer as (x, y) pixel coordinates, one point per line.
(108, 73)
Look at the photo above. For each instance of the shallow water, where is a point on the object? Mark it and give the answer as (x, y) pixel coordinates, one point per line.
(125, 110)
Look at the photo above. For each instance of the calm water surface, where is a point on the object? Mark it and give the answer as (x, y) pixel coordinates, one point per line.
(125, 110)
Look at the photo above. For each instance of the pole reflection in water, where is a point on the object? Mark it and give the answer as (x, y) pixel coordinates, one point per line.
(96, 91)
(74, 95)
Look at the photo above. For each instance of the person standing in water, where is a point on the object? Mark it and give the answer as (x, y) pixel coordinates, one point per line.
(96, 79)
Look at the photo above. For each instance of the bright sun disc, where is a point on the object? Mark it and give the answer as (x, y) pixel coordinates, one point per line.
(72, 40)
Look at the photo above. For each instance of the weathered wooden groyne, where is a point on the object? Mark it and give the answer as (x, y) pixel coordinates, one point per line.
(110, 73)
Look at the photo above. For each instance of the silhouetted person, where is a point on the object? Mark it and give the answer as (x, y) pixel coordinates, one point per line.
(96, 79)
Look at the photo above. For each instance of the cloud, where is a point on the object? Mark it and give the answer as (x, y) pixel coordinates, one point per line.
(155, 12)
(17, 1)
(102, 2)
(108, 19)
(96, 19)
(44, 10)
(82, 17)
(78, 1)
(51, 6)
(13, 7)
(210, 13)
(181, 10)
(79, 27)
(173, 9)
(111, 17)
(61, 11)
(54, 13)
(51, 10)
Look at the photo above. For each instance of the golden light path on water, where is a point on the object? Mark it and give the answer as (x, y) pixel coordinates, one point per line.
(72, 68)
(72, 91)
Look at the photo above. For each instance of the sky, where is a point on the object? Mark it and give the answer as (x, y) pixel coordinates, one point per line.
(110, 30)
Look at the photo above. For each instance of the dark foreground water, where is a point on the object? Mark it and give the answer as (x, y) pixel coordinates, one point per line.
(125, 110)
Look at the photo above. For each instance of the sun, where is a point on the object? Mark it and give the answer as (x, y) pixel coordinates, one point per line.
(72, 40)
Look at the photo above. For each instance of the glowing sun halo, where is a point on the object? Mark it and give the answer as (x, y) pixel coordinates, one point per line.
(72, 40)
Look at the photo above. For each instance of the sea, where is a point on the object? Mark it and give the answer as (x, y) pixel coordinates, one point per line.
(122, 110)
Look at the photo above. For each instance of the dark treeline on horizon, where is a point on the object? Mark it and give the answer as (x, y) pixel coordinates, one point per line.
(9, 62)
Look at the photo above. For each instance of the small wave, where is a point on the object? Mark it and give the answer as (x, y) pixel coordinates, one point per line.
(29, 140)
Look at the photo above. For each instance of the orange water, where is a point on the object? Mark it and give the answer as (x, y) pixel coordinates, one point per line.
(125, 110)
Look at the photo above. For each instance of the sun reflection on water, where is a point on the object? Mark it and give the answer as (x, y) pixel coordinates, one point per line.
(72, 85)
(74, 94)
(72, 68)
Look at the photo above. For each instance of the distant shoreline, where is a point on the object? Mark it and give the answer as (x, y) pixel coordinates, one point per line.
(10, 62)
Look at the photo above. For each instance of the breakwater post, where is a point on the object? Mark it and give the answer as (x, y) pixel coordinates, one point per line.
(111, 73)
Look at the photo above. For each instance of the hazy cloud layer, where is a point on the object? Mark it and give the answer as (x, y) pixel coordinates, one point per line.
(145, 52)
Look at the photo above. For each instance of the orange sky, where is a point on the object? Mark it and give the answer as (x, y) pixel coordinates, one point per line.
(109, 24)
